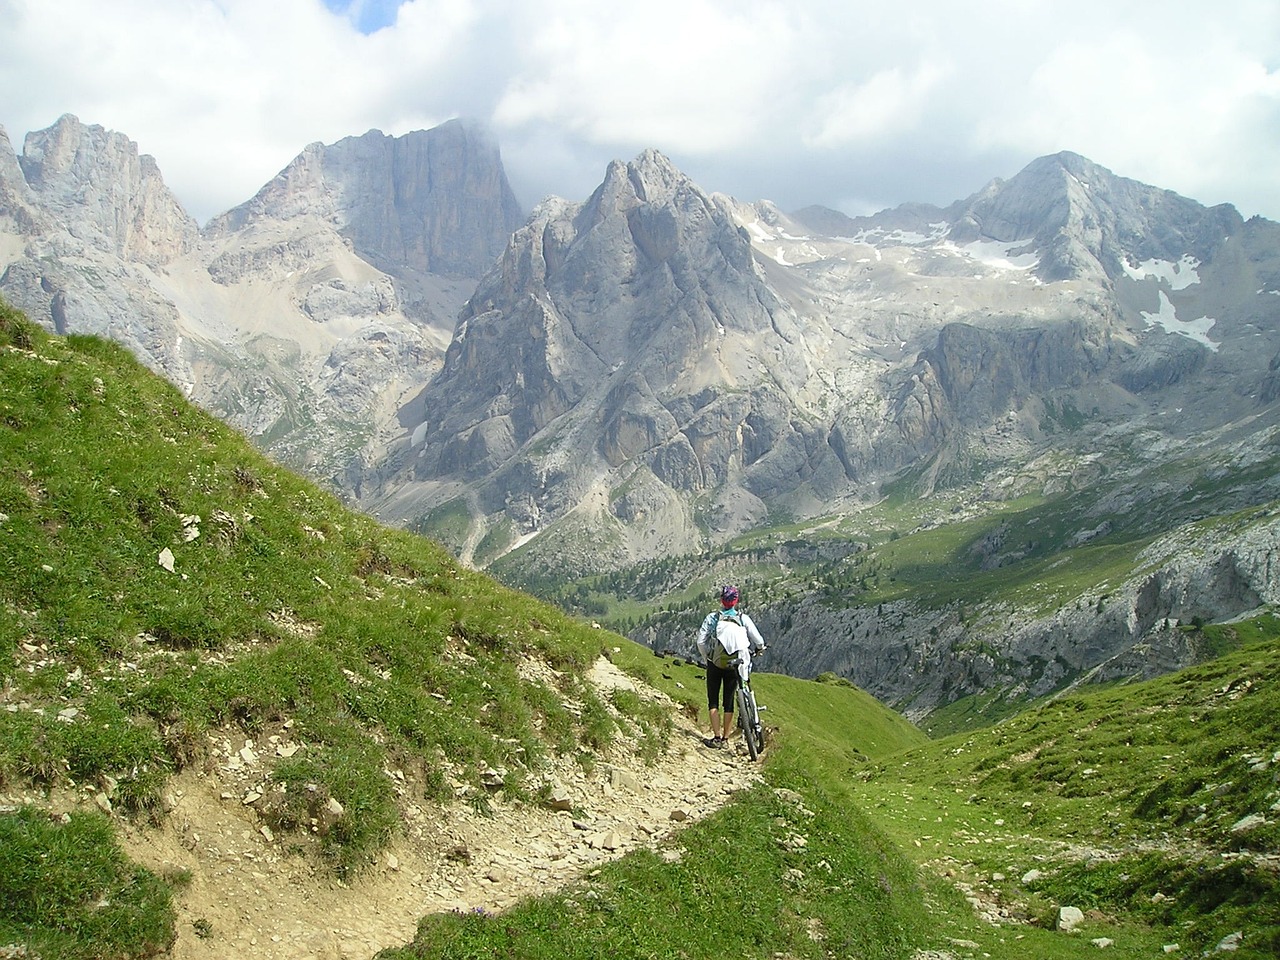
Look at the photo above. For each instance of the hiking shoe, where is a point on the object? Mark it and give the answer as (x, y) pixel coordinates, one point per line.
(712, 742)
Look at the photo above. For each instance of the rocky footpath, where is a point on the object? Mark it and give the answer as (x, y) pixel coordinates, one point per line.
(253, 895)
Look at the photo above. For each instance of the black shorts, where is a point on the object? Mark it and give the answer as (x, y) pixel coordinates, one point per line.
(718, 677)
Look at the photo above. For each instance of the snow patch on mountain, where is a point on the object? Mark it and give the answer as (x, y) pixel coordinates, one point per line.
(1178, 276)
(996, 254)
(1167, 317)
(880, 236)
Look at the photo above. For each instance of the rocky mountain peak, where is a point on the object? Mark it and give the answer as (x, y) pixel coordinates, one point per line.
(98, 185)
(434, 201)
(296, 191)
(623, 335)
(17, 204)
(656, 178)
(650, 180)
(1085, 222)
(1077, 219)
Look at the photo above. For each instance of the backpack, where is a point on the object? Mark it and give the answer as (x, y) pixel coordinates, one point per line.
(731, 638)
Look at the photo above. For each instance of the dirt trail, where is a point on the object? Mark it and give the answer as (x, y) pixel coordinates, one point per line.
(250, 897)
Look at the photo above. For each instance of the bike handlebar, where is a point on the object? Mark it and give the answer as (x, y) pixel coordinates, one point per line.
(738, 659)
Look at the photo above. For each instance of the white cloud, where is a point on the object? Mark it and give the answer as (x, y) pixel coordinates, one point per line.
(800, 101)
(222, 93)
(890, 101)
(693, 73)
(1187, 108)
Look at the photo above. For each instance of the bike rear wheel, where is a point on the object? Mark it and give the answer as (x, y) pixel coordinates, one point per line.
(749, 721)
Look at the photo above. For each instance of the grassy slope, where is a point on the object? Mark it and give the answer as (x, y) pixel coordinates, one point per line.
(1131, 802)
(285, 608)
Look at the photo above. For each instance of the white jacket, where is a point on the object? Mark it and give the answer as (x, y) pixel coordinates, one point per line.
(753, 643)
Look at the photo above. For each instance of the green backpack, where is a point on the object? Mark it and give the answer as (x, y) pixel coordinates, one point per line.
(731, 635)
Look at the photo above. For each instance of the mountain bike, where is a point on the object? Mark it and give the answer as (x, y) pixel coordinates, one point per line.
(748, 710)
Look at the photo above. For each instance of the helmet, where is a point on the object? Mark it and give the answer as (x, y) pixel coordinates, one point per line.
(728, 595)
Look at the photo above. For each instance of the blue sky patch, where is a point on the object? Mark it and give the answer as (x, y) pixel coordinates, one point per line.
(369, 16)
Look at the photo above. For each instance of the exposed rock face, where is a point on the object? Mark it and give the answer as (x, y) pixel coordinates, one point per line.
(1214, 537)
(435, 201)
(307, 315)
(96, 180)
(18, 216)
(970, 375)
(82, 216)
(625, 284)
(635, 335)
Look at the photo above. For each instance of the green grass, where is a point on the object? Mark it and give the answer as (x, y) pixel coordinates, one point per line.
(496, 541)
(568, 549)
(66, 890)
(1126, 800)
(450, 523)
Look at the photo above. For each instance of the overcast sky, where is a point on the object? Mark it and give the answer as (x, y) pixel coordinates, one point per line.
(855, 105)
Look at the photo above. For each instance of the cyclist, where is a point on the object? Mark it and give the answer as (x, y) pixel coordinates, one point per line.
(725, 634)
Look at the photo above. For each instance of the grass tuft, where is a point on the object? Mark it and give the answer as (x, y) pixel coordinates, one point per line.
(66, 890)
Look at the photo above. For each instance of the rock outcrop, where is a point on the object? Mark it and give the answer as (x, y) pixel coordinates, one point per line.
(430, 202)
(96, 186)
(630, 340)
